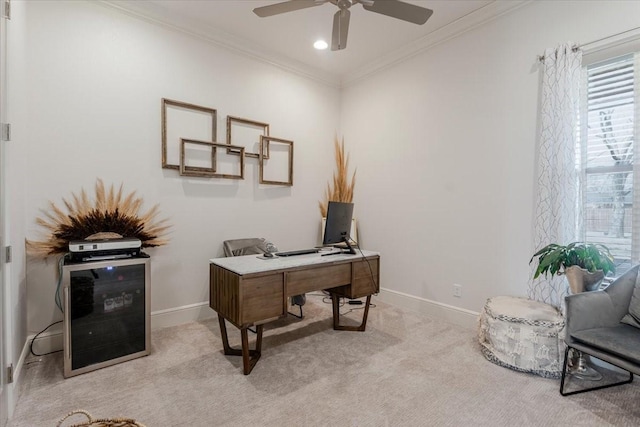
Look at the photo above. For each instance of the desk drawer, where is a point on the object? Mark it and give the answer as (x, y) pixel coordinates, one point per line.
(308, 280)
(262, 298)
(365, 281)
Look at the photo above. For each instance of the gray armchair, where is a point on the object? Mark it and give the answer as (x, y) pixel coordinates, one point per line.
(593, 326)
(248, 246)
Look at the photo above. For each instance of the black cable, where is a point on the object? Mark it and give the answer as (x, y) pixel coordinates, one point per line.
(58, 301)
(58, 298)
(329, 300)
(37, 335)
(375, 284)
(371, 305)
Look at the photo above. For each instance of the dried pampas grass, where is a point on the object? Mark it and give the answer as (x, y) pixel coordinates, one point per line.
(111, 214)
(339, 189)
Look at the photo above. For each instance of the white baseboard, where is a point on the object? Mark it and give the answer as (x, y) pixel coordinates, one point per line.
(13, 389)
(456, 315)
(52, 340)
(48, 341)
(179, 315)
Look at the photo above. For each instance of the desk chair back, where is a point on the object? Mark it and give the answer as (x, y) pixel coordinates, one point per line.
(237, 247)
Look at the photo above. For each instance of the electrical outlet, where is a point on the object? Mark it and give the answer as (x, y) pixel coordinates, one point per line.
(457, 291)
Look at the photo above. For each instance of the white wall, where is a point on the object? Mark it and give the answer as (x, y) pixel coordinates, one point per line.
(445, 149)
(444, 144)
(94, 79)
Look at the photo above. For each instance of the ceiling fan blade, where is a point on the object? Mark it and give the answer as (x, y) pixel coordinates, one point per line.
(401, 10)
(340, 29)
(287, 6)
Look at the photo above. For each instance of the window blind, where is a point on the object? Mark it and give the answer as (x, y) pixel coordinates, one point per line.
(609, 156)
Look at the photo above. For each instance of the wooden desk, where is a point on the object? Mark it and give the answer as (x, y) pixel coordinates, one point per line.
(248, 291)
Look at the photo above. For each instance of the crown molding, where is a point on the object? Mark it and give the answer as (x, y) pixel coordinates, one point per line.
(458, 27)
(146, 12)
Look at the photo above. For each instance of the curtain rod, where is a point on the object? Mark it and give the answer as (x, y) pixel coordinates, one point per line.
(578, 46)
(608, 37)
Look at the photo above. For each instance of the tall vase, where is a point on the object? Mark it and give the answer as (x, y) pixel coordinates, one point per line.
(581, 280)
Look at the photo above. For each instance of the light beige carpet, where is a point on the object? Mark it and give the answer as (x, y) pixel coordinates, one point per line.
(407, 369)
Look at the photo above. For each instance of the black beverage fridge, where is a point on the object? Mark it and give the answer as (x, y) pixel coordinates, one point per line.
(106, 313)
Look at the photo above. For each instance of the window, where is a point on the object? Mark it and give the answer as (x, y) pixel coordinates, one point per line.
(609, 156)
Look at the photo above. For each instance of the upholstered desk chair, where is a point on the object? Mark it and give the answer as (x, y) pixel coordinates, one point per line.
(238, 247)
(599, 324)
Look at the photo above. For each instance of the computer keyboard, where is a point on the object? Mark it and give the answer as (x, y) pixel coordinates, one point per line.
(298, 252)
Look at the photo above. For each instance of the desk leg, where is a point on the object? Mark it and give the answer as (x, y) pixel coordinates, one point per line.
(336, 315)
(249, 357)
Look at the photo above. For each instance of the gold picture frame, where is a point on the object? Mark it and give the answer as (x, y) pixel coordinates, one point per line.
(167, 104)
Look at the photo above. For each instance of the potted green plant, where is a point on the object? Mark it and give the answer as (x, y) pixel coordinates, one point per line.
(584, 264)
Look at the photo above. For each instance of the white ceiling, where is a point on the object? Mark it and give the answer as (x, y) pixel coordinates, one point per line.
(286, 40)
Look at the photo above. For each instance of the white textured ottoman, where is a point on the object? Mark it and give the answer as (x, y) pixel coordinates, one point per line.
(522, 334)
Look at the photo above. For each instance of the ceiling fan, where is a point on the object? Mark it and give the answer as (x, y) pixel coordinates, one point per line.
(393, 8)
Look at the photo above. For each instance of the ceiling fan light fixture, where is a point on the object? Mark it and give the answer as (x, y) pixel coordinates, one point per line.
(394, 8)
(320, 44)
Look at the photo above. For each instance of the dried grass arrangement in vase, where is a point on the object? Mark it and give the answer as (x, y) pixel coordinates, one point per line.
(339, 189)
(110, 215)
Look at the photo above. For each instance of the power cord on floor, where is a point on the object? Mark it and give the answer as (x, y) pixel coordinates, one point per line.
(326, 298)
(37, 335)
(371, 305)
(58, 301)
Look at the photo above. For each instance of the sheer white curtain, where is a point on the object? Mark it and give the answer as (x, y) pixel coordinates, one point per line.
(557, 218)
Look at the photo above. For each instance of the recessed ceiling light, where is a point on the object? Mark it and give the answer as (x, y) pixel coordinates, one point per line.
(320, 45)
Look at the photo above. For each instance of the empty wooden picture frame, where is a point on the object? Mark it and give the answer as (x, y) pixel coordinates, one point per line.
(183, 120)
(246, 133)
(278, 168)
(203, 152)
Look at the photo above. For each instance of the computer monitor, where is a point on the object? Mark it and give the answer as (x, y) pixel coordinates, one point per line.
(338, 225)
